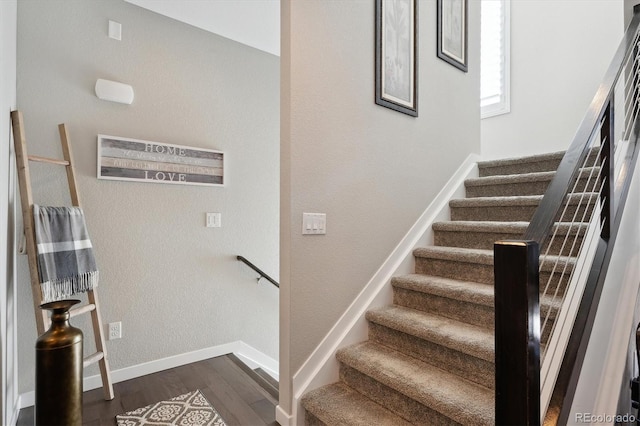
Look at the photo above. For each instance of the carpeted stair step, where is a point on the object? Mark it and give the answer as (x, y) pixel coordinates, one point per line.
(414, 389)
(523, 184)
(514, 208)
(477, 265)
(455, 346)
(465, 301)
(483, 235)
(338, 404)
(512, 166)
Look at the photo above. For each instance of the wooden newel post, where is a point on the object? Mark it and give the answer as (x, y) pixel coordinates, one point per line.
(517, 332)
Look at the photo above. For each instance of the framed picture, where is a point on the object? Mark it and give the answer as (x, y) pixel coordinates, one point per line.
(452, 32)
(154, 162)
(397, 55)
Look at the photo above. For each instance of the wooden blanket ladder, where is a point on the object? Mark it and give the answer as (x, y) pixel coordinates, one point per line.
(26, 197)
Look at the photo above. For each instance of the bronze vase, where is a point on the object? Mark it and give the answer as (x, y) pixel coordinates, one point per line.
(59, 369)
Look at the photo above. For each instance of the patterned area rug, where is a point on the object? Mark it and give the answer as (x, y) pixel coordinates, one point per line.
(190, 409)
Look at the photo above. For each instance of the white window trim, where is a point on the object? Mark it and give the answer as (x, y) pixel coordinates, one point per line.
(504, 106)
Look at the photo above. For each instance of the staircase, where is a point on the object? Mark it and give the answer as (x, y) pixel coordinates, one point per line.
(430, 356)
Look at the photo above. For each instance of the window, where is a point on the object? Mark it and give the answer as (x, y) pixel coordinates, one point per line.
(494, 57)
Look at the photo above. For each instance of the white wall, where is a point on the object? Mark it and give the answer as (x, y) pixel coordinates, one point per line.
(255, 23)
(372, 170)
(560, 51)
(8, 376)
(175, 285)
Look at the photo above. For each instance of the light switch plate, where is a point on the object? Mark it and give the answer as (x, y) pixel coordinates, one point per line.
(314, 223)
(115, 30)
(213, 220)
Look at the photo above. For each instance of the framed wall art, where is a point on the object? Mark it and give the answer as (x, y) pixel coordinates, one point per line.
(396, 73)
(452, 32)
(155, 162)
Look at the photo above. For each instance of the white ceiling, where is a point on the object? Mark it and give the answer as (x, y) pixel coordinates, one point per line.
(255, 23)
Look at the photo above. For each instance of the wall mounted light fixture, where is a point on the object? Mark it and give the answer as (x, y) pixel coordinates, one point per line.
(113, 91)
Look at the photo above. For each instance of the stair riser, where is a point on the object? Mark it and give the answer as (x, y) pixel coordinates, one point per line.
(470, 313)
(486, 240)
(507, 213)
(494, 213)
(507, 190)
(467, 312)
(471, 368)
(400, 404)
(477, 272)
(311, 420)
(518, 188)
(550, 164)
(514, 169)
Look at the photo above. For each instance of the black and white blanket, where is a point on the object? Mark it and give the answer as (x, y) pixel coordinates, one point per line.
(66, 263)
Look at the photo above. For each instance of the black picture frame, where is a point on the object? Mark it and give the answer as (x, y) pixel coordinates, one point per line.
(396, 54)
(452, 30)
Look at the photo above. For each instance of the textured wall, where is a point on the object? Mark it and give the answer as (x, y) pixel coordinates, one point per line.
(371, 169)
(173, 283)
(560, 51)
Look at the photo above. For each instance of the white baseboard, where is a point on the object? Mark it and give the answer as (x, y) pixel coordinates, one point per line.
(13, 419)
(256, 359)
(238, 348)
(321, 367)
(283, 418)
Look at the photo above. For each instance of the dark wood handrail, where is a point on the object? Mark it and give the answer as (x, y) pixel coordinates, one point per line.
(258, 270)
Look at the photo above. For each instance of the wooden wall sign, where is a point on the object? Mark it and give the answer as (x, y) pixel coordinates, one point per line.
(144, 161)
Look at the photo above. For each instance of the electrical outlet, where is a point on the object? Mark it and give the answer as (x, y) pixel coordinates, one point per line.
(115, 330)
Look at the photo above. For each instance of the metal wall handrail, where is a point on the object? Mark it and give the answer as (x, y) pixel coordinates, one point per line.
(258, 270)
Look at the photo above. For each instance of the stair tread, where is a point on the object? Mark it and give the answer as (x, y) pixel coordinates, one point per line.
(524, 177)
(518, 160)
(338, 404)
(497, 226)
(461, 254)
(481, 256)
(466, 291)
(484, 225)
(446, 393)
(514, 200)
(509, 179)
(460, 336)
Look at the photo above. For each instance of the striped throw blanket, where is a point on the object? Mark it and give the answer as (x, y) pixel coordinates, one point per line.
(65, 256)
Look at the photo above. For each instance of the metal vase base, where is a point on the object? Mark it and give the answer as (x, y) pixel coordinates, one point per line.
(59, 369)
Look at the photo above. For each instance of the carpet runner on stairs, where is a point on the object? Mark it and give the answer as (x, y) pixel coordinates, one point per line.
(430, 356)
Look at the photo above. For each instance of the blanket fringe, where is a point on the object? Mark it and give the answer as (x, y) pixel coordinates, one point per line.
(64, 288)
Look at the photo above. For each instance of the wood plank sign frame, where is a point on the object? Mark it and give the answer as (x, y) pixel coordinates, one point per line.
(154, 162)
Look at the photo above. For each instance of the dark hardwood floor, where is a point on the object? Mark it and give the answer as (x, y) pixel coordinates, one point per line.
(230, 388)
